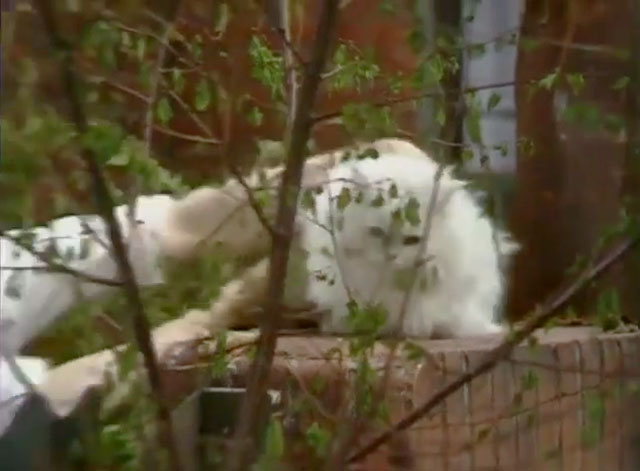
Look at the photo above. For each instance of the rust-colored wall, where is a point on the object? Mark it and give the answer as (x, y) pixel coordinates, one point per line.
(569, 189)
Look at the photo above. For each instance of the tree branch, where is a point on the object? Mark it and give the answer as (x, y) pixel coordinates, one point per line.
(244, 446)
(417, 96)
(55, 267)
(104, 203)
(537, 319)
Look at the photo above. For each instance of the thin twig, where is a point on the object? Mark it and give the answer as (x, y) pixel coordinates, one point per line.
(537, 319)
(56, 267)
(154, 86)
(264, 220)
(414, 97)
(253, 202)
(244, 446)
(104, 203)
(186, 137)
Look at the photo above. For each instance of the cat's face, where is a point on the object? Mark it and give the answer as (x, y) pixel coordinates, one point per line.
(382, 226)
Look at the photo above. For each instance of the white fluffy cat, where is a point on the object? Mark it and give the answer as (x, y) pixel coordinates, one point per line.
(364, 233)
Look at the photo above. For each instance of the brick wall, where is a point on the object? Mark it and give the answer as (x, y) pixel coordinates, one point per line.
(566, 404)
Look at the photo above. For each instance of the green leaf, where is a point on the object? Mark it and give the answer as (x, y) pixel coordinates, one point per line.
(164, 111)
(307, 201)
(411, 211)
(352, 69)
(387, 6)
(378, 201)
(466, 155)
(202, 98)
(528, 44)
(441, 116)
(494, 100)
(472, 121)
(141, 47)
(367, 121)
(178, 80)
(255, 116)
(414, 352)
(393, 191)
(576, 82)
(397, 218)
(370, 153)
(274, 440)
(121, 159)
(502, 148)
(344, 198)
(377, 232)
(549, 80)
(318, 438)
(529, 380)
(417, 39)
(266, 66)
(104, 140)
(621, 83)
(221, 19)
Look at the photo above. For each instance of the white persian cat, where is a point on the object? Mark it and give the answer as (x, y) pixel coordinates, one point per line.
(364, 231)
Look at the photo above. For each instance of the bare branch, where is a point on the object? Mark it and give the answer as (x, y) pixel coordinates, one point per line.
(418, 96)
(537, 319)
(104, 203)
(234, 170)
(55, 267)
(244, 446)
(186, 137)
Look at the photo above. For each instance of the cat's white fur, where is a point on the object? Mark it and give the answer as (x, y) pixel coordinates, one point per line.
(459, 286)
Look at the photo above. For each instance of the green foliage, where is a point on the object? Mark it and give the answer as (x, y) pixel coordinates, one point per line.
(494, 100)
(255, 116)
(366, 321)
(37, 134)
(101, 40)
(151, 175)
(23, 162)
(608, 313)
(576, 82)
(164, 112)
(103, 139)
(318, 438)
(274, 447)
(352, 69)
(194, 284)
(267, 67)
(594, 416)
(412, 212)
(222, 16)
(203, 95)
(344, 198)
(472, 119)
(367, 121)
(621, 83)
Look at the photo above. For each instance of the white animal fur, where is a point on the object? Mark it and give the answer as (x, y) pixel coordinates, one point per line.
(463, 279)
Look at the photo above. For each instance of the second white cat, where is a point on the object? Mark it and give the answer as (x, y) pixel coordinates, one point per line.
(364, 231)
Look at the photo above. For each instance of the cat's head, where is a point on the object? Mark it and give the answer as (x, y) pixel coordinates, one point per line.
(382, 217)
